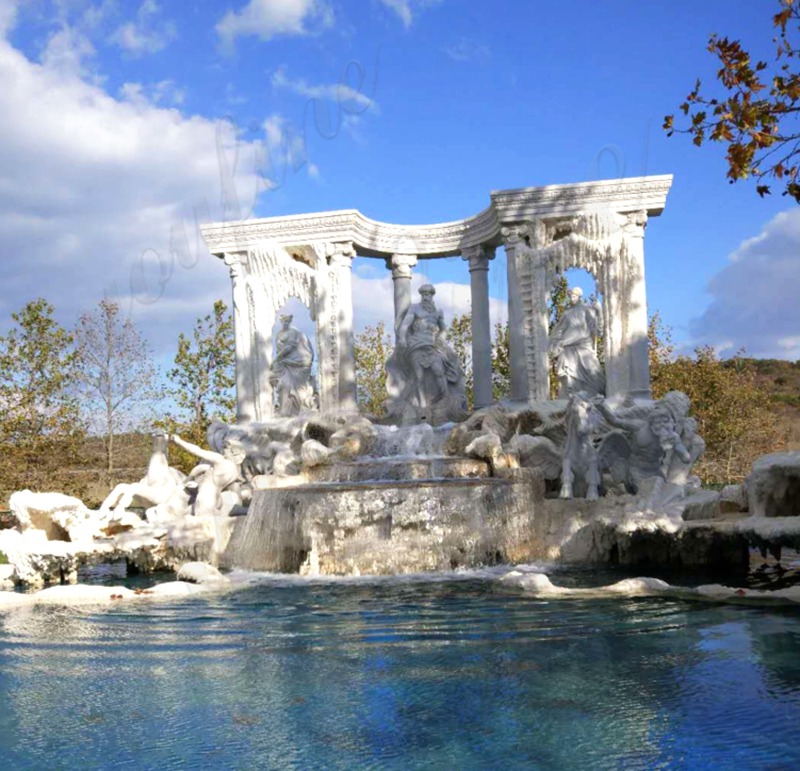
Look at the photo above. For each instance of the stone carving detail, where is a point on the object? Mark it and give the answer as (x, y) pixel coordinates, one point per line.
(651, 445)
(290, 373)
(573, 344)
(424, 375)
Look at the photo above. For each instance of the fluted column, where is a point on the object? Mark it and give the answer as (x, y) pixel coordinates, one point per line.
(513, 239)
(478, 258)
(639, 362)
(246, 384)
(400, 265)
(341, 261)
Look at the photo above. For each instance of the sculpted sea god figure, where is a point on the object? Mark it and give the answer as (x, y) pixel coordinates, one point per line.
(572, 343)
(290, 373)
(424, 370)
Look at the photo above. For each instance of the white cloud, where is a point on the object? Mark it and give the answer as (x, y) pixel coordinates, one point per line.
(96, 194)
(408, 9)
(755, 301)
(8, 15)
(341, 93)
(147, 34)
(267, 19)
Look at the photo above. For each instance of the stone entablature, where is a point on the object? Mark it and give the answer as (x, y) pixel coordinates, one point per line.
(598, 226)
(374, 238)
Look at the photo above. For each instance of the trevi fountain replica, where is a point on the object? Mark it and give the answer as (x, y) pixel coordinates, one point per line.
(304, 484)
(433, 587)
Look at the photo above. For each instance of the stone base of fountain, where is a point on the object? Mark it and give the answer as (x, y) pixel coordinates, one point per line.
(406, 524)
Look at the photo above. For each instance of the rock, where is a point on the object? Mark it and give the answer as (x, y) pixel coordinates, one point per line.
(733, 499)
(201, 573)
(485, 447)
(701, 505)
(313, 453)
(286, 463)
(82, 594)
(37, 510)
(773, 485)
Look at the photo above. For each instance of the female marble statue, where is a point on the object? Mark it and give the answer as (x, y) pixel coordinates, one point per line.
(572, 343)
(290, 373)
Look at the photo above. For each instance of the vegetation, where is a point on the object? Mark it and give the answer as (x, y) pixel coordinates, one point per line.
(371, 349)
(755, 115)
(116, 378)
(735, 414)
(202, 381)
(40, 425)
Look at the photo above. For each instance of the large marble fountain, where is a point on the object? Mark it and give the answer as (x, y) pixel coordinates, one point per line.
(303, 483)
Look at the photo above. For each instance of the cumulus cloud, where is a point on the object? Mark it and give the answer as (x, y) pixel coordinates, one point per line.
(147, 33)
(267, 19)
(99, 196)
(408, 9)
(755, 298)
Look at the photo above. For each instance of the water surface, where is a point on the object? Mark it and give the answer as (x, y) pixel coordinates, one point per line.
(400, 674)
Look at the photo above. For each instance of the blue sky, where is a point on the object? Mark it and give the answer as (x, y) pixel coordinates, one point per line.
(124, 123)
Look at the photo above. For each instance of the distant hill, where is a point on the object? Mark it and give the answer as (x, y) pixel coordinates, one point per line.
(781, 379)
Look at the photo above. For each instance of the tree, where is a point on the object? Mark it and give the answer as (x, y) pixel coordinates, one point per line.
(372, 348)
(40, 423)
(734, 414)
(116, 376)
(203, 377)
(756, 115)
(501, 362)
(459, 335)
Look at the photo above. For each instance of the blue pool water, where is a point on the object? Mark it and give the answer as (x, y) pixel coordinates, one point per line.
(400, 674)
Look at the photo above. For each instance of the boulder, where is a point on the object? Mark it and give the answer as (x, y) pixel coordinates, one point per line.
(37, 510)
(733, 499)
(313, 453)
(703, 504)
(201, 573)
(773, 485)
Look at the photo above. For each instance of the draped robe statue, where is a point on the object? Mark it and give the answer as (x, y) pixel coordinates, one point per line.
(290, 373)
(572, 343)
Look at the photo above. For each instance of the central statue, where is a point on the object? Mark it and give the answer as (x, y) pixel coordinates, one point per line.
(424, 375)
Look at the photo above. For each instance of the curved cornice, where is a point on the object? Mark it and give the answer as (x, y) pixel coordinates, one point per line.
(381, 239)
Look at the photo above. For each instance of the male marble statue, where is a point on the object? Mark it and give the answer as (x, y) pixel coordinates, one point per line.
(290, 373)
(425, 373)
(572, 344)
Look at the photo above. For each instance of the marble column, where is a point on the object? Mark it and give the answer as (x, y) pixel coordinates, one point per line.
(341, 261)
(400, 265)
(638, 362)
(478, 258)
(513, 239)
(246, 386)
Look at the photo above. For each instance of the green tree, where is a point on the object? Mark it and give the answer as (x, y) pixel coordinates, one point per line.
(755, 114)
(203, 378)
(372, 348)
(40, 427)
(501, 362)
(459, 335)
(116, 376)
(734, 414)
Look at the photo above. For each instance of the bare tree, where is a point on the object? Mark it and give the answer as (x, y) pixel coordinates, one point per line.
(116, 375)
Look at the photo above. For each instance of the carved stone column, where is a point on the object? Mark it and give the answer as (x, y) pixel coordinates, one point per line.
(341, 261)
(639, 363)
(513, 237)
(400, 265)
(478, 258)
(246, 375)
